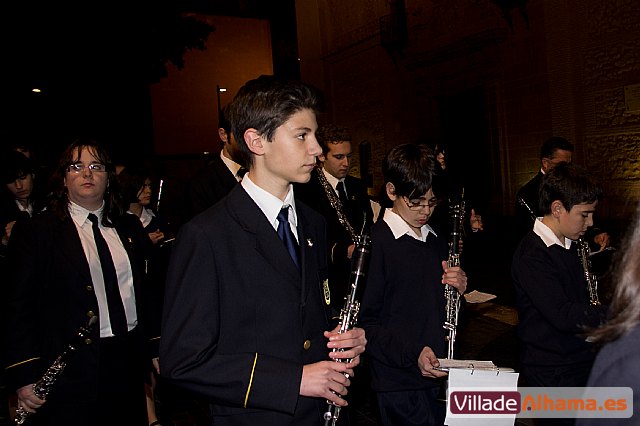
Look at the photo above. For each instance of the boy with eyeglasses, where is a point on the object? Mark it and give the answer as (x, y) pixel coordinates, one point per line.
(403, 303)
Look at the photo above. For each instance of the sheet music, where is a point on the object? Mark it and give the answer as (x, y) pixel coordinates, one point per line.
(446, 363)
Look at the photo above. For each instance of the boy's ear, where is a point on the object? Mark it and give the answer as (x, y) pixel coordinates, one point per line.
(391, 191)
(254, 141)
(556, 208)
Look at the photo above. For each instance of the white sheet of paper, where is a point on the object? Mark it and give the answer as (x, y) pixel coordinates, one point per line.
(465, 379)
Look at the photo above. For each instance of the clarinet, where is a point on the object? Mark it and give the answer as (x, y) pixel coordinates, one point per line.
(43, 386)
(336, 204)
(349, 313)
(451, 294)
(524, 204)
(592, 282)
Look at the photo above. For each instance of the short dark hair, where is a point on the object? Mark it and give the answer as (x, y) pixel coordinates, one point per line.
(131, 182)
(264, 104)
(331, 133)
(15, 165)
(409, 167)
(570, 185)
(553, 144)
(59, 201)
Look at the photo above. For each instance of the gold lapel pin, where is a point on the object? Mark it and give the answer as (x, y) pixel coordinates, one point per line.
(309, 242)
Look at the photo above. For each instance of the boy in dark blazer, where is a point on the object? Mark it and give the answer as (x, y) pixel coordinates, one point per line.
(245, 324)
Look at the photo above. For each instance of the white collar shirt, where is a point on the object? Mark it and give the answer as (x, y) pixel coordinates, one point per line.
(333, 181)
(231, 165)
(399, 227)
(271, 205)
(548, 237)
(80, 215)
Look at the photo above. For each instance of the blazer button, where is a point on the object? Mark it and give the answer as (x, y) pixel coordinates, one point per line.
(88, 341)
(307, 344)
(91, 314)
(89, 288)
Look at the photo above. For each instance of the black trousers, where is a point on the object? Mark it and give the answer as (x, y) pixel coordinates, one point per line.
(117, 397)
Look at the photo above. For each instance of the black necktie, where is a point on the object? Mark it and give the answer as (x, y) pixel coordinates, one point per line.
(342, 194)
(117, 316)
(286, 235)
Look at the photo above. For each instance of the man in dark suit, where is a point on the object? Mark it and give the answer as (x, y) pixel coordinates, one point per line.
(553, 151)
(244, 324)
(354, 207)
(222, 173)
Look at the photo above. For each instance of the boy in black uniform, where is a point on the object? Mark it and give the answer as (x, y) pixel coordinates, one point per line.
(550, 286)
(403, 303)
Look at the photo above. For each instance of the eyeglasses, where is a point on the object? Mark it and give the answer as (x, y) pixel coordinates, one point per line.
(416, 205)
(93, 168)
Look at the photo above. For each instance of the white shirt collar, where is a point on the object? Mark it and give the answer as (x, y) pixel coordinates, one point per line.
(399, 227)
(28, 209)
(231, 165)
(548, 237)
(146, 216)
(333, 181)
(269, 203)
(79, 214)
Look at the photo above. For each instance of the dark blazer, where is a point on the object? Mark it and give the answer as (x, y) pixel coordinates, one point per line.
(9, 212)
(530, 193)
(212, 183)
(52, 295)
(240, 320)
(358, 211)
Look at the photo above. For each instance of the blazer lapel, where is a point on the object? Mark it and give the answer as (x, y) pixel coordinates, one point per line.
(71, 248)
(267, 243)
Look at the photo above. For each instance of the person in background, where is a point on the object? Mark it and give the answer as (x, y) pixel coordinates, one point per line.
(244, 323)
(449, 190)
(82, 258)
(221, 175)
(403, 305)
(552, 297)
(18, 202)
(553, 151)
(617, 362)
(354, 206)
(19, 198)
(137, 190)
